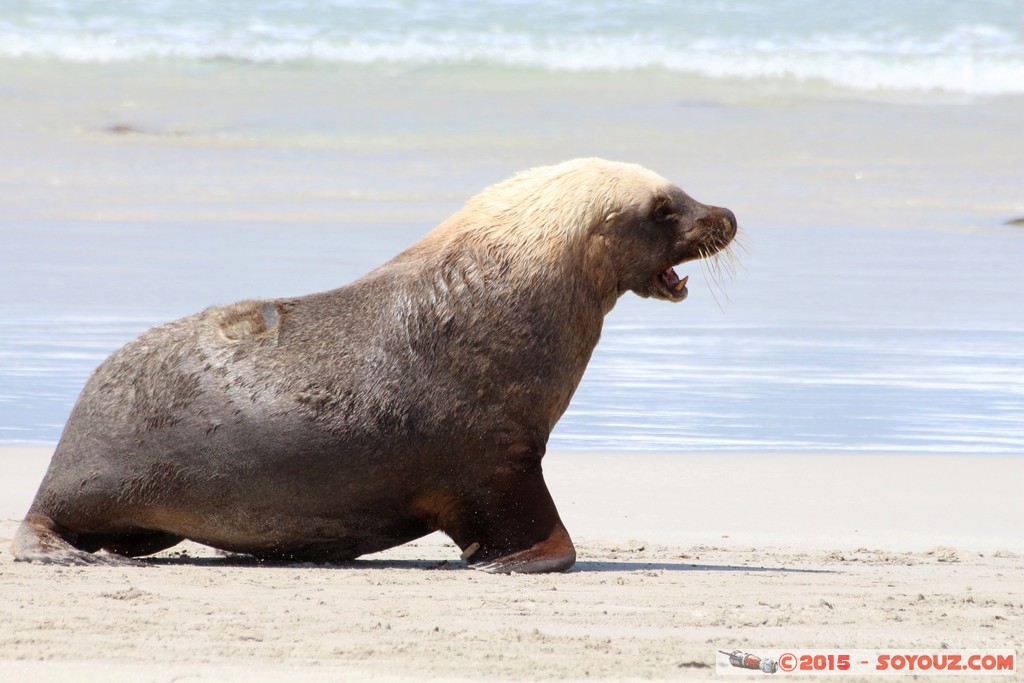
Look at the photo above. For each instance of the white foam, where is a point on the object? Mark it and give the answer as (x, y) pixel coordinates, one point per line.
(976, 59)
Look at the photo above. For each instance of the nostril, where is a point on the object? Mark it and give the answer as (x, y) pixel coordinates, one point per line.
(730, 218)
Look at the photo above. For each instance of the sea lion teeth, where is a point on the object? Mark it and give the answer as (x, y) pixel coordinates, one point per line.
(682, 283)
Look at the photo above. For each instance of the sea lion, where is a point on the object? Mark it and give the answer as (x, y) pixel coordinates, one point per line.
(417, 398)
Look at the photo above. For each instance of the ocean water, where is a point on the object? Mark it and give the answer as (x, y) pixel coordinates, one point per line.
(974, 47)
(171, 155)
(657, 387)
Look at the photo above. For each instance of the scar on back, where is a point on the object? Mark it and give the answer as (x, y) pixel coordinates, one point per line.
(248, 320)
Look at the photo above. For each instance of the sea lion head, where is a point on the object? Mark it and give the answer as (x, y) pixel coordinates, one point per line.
(606, 226)
(652, 227)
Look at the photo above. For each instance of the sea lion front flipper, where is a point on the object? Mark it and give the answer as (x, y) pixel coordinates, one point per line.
(554, 554)
(513, 526)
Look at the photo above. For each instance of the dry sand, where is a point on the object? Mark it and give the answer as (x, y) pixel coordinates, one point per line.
(679, 555)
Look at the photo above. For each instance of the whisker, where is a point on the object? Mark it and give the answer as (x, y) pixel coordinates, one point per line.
(720, 275)
(739, 242)
(732, 260)
(718, 266)
(716, 269)
(727, 266)
(708, 277)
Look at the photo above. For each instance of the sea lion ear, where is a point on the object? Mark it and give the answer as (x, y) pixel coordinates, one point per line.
(611, 217)
(661, 209)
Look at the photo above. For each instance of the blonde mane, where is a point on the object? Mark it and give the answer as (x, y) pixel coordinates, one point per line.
(546, 213)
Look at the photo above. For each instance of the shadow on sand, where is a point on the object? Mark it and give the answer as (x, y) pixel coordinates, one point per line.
(583, 566)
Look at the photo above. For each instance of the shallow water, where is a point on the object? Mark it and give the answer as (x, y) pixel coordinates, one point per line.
(672, 388)
(817, 345)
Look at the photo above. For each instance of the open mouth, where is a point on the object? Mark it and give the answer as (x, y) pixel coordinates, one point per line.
(674, 287)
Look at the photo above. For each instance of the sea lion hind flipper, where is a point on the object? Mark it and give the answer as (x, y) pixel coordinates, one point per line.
(515, 529)
(39, 540)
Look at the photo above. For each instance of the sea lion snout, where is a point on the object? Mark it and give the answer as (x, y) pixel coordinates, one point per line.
(717, 226)
(710, 233)
(729, 218)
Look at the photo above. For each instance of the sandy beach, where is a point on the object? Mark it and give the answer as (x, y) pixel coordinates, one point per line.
(679, 556)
